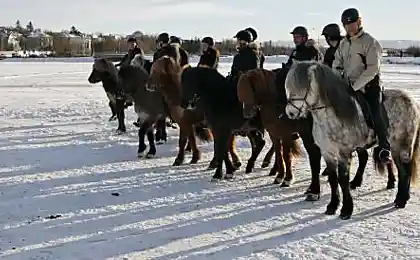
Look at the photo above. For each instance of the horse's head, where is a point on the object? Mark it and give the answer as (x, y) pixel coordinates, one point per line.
(255, 89)
(312, 86)
(165, 76)
(133, 79)
(103, 70)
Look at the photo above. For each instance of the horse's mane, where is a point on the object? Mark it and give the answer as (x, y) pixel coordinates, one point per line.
(169, 73)
(334, 91)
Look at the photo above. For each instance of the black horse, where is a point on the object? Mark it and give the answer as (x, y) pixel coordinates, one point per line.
(105, 71)
(209, 91)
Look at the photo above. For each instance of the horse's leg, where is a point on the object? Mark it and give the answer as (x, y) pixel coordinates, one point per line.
(391, 177)
(113, 111)
(221, 141)
(232, 150)
(279, 161)
(333, 181)
(192, 141)
(274, 169)
(259, 142)
(151, 139)
(182, 141)
(314, 190)
(343, 170)
(404, 179)
(213, 162)
(358, 178)
(120, 115)
(267, 158)
(142, 146)
(288, 158)
(161, 135)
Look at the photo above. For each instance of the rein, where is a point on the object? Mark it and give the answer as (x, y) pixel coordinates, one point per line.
(311, 108)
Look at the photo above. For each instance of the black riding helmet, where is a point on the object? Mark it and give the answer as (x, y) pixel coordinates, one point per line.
(332, 31)
(350, 15)
(300, 30)
(175, 39)
(253, 32)
(163, 37)
(131, 39)
(244, 35)
(208, 40)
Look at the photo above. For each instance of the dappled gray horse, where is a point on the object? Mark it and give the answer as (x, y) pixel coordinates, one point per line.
(147, 105)
(340, 128)
(105, 71)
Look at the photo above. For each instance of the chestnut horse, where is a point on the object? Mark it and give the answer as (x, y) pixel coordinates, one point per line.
(264, 90)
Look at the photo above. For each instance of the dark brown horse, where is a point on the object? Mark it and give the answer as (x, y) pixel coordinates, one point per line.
(263, 90)
(165, 78)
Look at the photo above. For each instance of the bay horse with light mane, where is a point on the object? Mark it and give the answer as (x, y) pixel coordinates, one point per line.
(341, 126)
(262, 90)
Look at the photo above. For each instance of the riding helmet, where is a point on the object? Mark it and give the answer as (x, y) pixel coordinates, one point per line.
(332, 31)
(163, 37)
(253, 32)
(300, 30)
(244, 35)
(350, 15)
(208, 40)
(175, 39)
(131, 39)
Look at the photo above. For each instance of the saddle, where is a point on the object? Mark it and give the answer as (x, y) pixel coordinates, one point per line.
(367, 112)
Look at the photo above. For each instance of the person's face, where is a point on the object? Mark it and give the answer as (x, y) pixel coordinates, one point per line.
(131, 45)
(204, 46)
(352, 28)
(330, 42)
(298, 39)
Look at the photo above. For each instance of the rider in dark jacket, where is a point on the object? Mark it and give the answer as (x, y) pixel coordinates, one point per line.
(210, 56)
(133, 50)
(256, 45)
(246, 58)
(164, 48)
(332, 35)
(305, 49)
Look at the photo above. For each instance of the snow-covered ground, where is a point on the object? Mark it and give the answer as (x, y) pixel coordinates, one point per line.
(62, 165)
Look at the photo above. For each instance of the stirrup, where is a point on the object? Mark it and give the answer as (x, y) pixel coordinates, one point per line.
(384, 155)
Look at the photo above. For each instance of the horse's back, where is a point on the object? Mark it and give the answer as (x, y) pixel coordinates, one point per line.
(403, 113)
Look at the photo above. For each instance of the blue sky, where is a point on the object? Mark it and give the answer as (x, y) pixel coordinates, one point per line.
(385, 19)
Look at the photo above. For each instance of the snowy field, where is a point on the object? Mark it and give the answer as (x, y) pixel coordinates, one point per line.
(70, 188)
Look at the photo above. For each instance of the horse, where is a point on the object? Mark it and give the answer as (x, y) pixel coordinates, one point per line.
(165, 79)
(341, 125)
(216, 96)
(148, 106)
(261, 90)
(105, 71)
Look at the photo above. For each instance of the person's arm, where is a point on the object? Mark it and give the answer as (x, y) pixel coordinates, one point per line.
(373, 64)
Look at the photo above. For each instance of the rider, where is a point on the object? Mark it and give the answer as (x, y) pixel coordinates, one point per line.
(210, 56)
(183, 54)
(332, 35)
(358, 59)
(133, 50)
(246, 58)
(256, 45)
(164, 48)
(305, 49)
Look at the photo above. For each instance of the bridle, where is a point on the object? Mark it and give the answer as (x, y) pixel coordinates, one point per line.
(304, 99)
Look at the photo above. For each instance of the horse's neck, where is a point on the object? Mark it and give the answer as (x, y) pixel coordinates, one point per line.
(109, 84)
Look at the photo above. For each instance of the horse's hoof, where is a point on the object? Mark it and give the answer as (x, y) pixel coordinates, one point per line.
(217, 176)
(112, 118)
(273, 172)
(355, 184)
(237, 165)
(150, 155)
(140, 155)
(249, 169)
(160, 142)
(177, 162)
(120, 131)
(286, 183)
(345, 216)
(228, 176)
(194, 160)
(330, 211)
(265, 164)
(390, 186)
(312, 197)
(277, 181)
(399, 204)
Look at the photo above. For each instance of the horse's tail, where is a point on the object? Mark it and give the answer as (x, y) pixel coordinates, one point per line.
(203, 133)
(415, 159)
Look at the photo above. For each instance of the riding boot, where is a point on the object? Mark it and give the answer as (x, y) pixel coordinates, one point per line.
(373, 97)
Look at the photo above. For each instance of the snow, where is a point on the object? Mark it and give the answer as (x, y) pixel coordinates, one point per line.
(61, 163)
